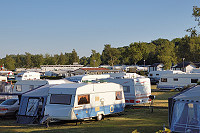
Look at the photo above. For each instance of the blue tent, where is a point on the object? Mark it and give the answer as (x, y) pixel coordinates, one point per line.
(184, 111)
(32, 105)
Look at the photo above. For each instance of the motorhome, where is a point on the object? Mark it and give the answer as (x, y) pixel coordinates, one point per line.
(137, 88)
(155, 75)
(178, 81)
(80, 101)
(28, 76)
(23, 86)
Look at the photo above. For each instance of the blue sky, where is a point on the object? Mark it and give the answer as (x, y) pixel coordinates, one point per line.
(55, 26)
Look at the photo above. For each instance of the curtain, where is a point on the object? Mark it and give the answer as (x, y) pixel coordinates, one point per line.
(177, 113)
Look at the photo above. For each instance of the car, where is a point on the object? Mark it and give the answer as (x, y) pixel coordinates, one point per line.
(9, 107)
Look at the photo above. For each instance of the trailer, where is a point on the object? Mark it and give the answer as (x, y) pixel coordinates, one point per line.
(28, 76)
(3, 78)
(178, 81)
(23, 86)
(155, 75)
(87, 78)
(81, 101)
(137, 88)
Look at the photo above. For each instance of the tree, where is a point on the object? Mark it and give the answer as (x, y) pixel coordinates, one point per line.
(84, 61)
(189, 48)
(28, 60)
(49, 60)
(37, 60)
(165, 52)
(123, 57)
(9, 62)
(196, 14)
(73, 57)
(18, 61)
(135, 53)
(95, 59)
(61, 59)
(110, 55)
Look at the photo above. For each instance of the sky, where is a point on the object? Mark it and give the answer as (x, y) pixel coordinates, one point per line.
(55, 26)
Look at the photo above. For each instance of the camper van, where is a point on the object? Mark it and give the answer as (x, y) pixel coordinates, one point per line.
(28, 76)
(155, 75)
(137, 88)
(80, 101)
(23, 86)
(178, 81)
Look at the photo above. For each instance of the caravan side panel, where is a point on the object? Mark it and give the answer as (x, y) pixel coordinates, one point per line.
(102, 101)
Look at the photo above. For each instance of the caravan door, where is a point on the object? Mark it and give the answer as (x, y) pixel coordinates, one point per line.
(83, 109)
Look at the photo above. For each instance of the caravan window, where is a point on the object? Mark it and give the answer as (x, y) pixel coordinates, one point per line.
(60, 99)
(175, 79)
(194, 80)
(83, 99)
(126, 89)
(163, 79)
(118, 95)
(18, 87)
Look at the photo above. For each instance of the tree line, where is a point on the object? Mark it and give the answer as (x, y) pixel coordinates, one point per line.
(160, 50)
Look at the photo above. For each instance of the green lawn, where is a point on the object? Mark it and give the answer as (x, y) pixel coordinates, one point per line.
(131, 119)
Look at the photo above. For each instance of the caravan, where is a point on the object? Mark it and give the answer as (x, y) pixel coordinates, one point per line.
(137, 88)
(79, 101)
(23, 86)
(28, 76)
(87, 78)
(155, 75)
(178, 81)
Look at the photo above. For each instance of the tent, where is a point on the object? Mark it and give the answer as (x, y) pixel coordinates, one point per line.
(184, 111)
(32, 104)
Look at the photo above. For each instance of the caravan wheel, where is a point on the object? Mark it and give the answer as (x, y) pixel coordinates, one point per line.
(99, 117)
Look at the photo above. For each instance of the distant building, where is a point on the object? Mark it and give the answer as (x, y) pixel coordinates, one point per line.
(156, 67)
(92, 71)
(185, 66)
(60, 67)
(58, 73)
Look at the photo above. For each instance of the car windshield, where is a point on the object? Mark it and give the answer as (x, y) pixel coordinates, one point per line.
(9, 102)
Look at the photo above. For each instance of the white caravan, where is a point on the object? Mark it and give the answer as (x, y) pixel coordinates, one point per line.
(28, 76)
(3, 78)
(79, 101)
(137, 88)
(87, 78)
(178, 81)
(23, 86)
(155, 75)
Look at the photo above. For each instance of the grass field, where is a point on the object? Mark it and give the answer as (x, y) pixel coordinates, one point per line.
(131, 119)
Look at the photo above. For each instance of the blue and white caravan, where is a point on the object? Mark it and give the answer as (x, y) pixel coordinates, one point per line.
(81, 101)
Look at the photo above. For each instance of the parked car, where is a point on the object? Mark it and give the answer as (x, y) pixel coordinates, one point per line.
(9, 107)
